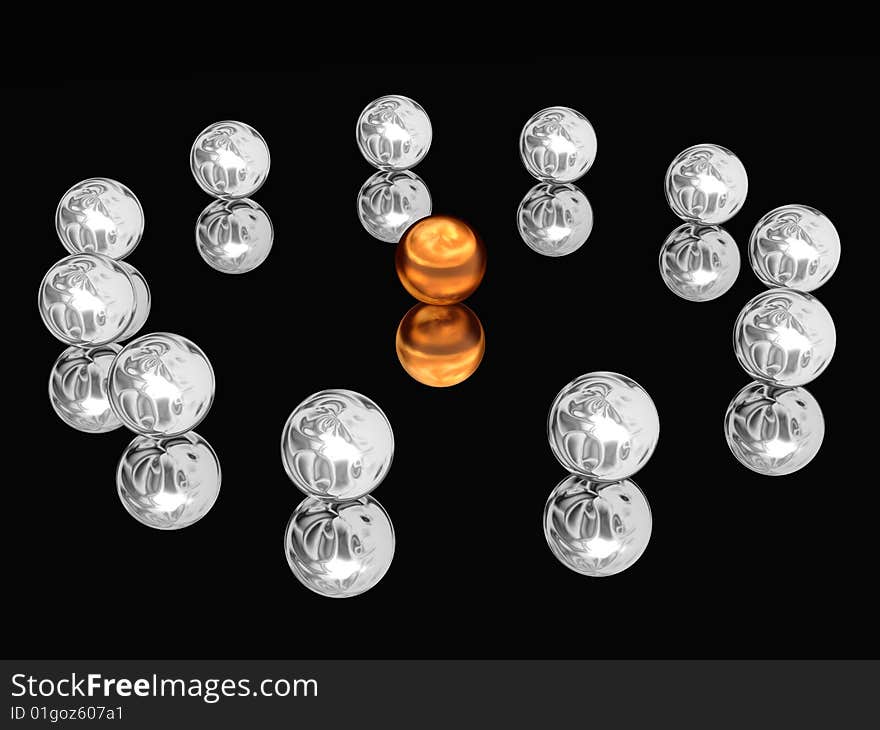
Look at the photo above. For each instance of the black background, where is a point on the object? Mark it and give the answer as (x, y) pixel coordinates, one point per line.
(738, 564)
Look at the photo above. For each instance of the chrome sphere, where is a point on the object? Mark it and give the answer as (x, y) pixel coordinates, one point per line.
(78, 388)
(100, 215)
(597, 528)
(230, 160)
(784, 337)
(168, 483)
(88, 299)
(699, 262)
(774, 431)
(794, 246)
(393, 132)
(337, 445)
(161, 385)
(558, 144)
(554, 219)
(603, 426)
(389, 202)
(706, 183)
(339, 549)
(234, 236)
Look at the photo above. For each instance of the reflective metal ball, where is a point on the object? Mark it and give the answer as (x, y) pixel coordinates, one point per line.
(440, 346)
(168, 483)
(339, 549)
(558, 144)
(794, 246)
(390, 202)
(393, 132)
(774, 431)
(234, 236)
(161, 385)
(699, 262)
(230, 160)
(337, 445)
(440, 260)
(597, 528)
(784, 337)
(100, 215)
(706, 183)
(89, 299)
(78, 388)
(603, 426)
(554, 219)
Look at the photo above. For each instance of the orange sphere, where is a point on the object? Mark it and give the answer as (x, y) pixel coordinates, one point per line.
(440, 346)
(440, 260)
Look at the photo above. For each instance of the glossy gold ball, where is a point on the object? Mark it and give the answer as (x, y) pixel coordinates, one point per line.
(440, 346)
(440, 260)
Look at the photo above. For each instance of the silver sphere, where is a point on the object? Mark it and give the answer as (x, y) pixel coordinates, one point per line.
(161, 385)
(337, 445)
(168, 483)
(339, 549)
(234, 236)
(794, 246)
(706, 183)
(558, 144)
(784, 337)
(389, 202)
(100, 215)
(88, 299)
(699, 262)
(78, 388)
(597, 528)
(603, 426)
(393, 133)
(230, 160)
(554, 219)
(774, 431)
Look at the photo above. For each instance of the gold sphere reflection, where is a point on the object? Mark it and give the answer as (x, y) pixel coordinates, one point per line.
(440, 346)
(440, 260)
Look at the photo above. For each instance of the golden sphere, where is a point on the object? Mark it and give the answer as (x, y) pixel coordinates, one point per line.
(440, 260)
(440, 346)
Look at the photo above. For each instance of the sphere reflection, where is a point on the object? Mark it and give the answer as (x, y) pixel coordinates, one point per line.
(78, 388)
(234, 236)
(389, 202)
(440, 260)
(596, 528)
(339, 549)
(554, 219)
(698, 262)
(440, 346)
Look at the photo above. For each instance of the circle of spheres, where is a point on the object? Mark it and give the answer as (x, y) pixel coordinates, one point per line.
(440, 260)
(159, 385)
(783, 337)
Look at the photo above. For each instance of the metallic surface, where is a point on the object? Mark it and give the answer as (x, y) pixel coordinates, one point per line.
(161, 385)
(100, 215)
(339, 549)
(440, 346)
(784, 337)
(337, 445)
(597, 529)
(230, 160)
(603, 426)
(234, 236)
(554, 219)
(558, 144)
(794, 246)
(706, 183)
(440, 260)
(89, 299)
(699, 262)
(168, 483)
(78, 388)
(393, 132)
(774, 431)
(389, 202)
